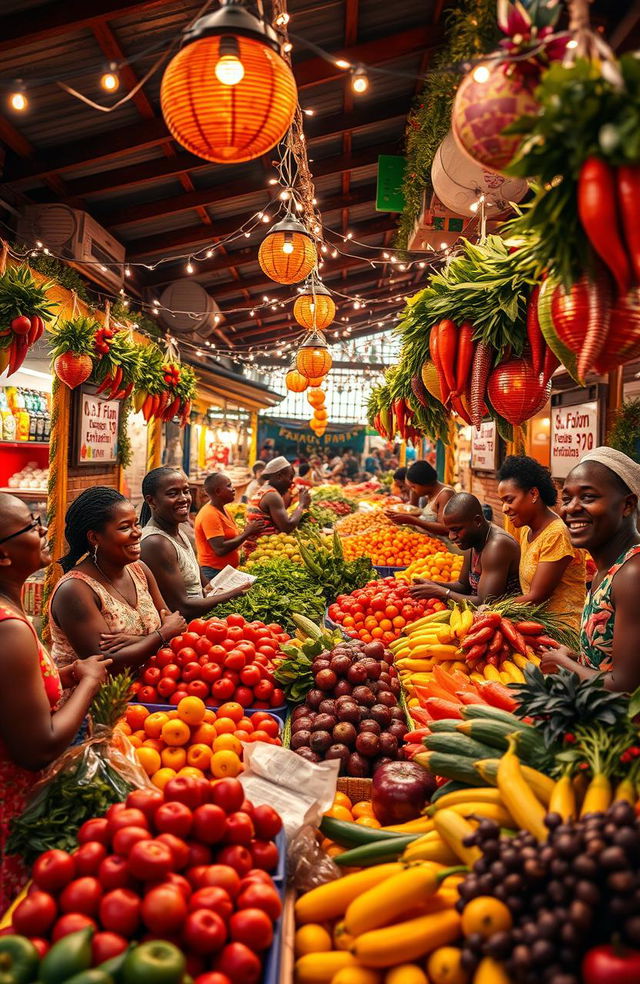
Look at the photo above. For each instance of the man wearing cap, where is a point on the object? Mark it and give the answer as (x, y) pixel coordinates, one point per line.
(268, 504)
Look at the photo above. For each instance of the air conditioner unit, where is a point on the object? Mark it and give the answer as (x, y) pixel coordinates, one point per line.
(75, 237)
(438, 227)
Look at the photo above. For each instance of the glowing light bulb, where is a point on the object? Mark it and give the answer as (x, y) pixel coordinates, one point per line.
(18, 101)
(360, 81)
(229, 69)
(287, 246)
(110, 81)
(189, 267)
(481, 74)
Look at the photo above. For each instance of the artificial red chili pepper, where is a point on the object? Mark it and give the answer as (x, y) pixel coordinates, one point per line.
(497, 695)
(487, 618)
(598, 211)
(551, 363)
(447, 350)
(547, 642)
(509, 632)
(529, 628)
(434, 352)
(476, 636)
(480, 369)
(628, 188)
(535, 337)
(442, 709)
(459, 407)
(496, 642)
(475, 653)
(464, 357)
(521, 646)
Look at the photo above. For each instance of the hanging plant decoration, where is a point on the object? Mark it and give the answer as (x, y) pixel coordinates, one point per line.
(118, 368)
(24, 312)
(72, 350)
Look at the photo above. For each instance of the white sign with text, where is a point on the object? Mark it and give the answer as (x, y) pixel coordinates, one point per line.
(574, 431)
(484, 447)
(98, 430)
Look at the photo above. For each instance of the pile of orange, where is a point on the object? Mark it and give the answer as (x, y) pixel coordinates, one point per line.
(343, 809)
(361, 522)
(193, 740)
(391, 546)
(443, 566)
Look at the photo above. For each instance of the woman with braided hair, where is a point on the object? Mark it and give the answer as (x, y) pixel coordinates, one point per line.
(108, 600)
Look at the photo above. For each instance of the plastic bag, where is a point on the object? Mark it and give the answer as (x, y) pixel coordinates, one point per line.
(83, 783)
(307, 865)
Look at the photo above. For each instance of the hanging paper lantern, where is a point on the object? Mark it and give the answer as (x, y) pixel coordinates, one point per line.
(72, 368)
(321, 415)
(459, 182)
(287, 253)
(295, 381)
(314, 308)
(493, 95)
(516, 391)
(316, 397)
(314, 359)
(228, 95)
(316, 382)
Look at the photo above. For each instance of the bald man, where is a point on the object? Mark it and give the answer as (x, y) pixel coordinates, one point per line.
(218, 539)
(491, 560)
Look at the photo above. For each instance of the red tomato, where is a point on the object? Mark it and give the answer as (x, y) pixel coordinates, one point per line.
(222, 689)
(177, 643)
(264, 853)
(212, 977)
(171, 672)
(217, 654)
(185, 790)
(202, 646)
(235, 633)
(199, 854)
(35, 915)
(261, 659)
(186, 655)
(212, 897)
(267, 649)
(198, 626)
(211, 672)
(204, 932)
(227, 794)
(216, 630)
(267, 822)
(54, 869)
(89, 856)
(252, 927)
(71, 923)
(175, 817)
(42, 946)
(164, 909)
(150, 860)
(244, 696)
(114, 873)
(164, 657)
(104, 946)
(146, 800)
(148, 695)
(239, 963)
(198, 688)
(236, 620)
(235, 660)
(120, 912)
(125, 817)
(220, 875)
(263, 690)
(247, 647)
(190, 639)
(151, 676)
(250, 675)
(166, 687)
(250, 632)
(240, 829)
(179, 850)
(257, 875)
(209, 823)
(277, 697)
(82, 895)
(236, 856)
(190, 671)
(258, 895)
(179, 882)
(177, 696)
(126, 837)
(232, 675)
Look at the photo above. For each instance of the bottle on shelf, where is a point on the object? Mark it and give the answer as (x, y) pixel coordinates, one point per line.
(7, 419)
(46, 432)
(32, 408)
(23, 419)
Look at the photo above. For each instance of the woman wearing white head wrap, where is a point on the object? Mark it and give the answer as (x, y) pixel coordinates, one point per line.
(268, 505)
(600, 507)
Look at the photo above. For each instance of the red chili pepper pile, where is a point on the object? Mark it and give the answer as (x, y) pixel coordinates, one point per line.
(493, 638)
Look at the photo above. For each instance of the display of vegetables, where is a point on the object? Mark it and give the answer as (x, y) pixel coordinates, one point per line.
(443, 566)
(326, 564)
(216, 660)
(281, 588)
(333, 497)
(381, 610)
(362, 522)
(24, 312)
(285, 546)
(390, 546)
(294, 672)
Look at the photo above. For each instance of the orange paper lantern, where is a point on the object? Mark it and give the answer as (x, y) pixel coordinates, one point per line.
(287, 253)
(316, 381)
(228, 95)
(316, 397)
(295, 381)
(314, 308)
(313, 358)
(320, 414)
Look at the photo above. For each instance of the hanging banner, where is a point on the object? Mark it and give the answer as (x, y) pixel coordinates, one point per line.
(293, 439)
(574, 431)
(97, 433)
(484, 447)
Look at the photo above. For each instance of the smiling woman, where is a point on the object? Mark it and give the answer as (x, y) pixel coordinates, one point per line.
(108, 600)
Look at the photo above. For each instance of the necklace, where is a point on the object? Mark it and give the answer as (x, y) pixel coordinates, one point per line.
(109, 581)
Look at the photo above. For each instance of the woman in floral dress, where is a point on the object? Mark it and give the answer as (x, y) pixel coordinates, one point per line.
(600, 507)
(32, 732)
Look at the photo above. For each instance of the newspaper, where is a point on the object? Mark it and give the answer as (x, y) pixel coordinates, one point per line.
(228, 579)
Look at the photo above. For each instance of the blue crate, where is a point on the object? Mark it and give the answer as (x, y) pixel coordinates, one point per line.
(277, 712)
(271, 970)
(388, 571)
(280, 874)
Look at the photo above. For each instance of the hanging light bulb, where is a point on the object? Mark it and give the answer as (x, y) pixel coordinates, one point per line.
(287, 245)
(110, 80)
(481, 74)
(18, 100)
(359, 80)
(229, 69)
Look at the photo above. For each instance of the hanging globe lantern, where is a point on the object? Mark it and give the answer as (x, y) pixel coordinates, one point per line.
(316, 382)
(313, 358)
(287, 253)
(314, 307)
(295, 381)
(315, 397)
(228, 95)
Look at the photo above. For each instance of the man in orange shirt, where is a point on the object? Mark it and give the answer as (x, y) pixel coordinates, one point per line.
(218, 539)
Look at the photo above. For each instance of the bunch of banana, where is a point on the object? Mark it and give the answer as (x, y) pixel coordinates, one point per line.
(424, 642)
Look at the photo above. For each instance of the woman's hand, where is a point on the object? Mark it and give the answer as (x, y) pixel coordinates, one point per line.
(173, 624)
(254, 527)
(113, 642)
(94, 668)
(427, 589)
(560, 658)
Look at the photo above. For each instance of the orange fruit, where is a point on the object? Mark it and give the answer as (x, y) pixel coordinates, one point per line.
(149, 759)
(486, 915)
(362, 809)
(228, 743)
(225, 726)
(191, 710)
(205, 734)
(190, 770)
(135, 741)
(225, 763)
(156, 743)
(245, 724)
(173, 757)
(154, 723)
(124, 727)
(444, 966)
(209, 716)
(339, 813)
(199, 756)
(341, 799)
(176, 732)
(231, 710)
(137, 715)
(242, 735)
(162, 777)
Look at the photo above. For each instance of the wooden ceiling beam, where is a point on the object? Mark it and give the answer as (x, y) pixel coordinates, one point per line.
(110, 47)
(359, 281)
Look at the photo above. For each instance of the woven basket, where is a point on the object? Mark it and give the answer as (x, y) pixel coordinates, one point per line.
(356, 789)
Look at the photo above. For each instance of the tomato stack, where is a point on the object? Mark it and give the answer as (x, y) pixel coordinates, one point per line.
(380, 610)
(217, 659)
(189, 865)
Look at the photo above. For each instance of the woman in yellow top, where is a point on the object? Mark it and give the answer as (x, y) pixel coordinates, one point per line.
(552, 571)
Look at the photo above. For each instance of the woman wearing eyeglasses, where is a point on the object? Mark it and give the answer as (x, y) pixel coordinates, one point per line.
(108, 601)
(32, 732)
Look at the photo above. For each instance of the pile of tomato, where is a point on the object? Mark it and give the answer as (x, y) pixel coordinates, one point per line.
(390, 546)
(188, 865)
(380, 610)
(217, 660)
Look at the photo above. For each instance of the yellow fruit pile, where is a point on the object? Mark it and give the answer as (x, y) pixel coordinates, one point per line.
(442, 566)
(280, 545)
(390, 546)
(361, 522)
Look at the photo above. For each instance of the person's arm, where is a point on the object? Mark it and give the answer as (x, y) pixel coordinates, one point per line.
(407, 519)
(222, 546)
(273, 504)
(546, 579)
(35, 737)
(453, 590)
(162, 559)
(75, 610)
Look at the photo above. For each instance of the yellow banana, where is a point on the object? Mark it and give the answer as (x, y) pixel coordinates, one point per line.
(421, 825)
(625, 790)
(454, 621)
(519, 660)
(518, 797)
(481, 794)
(330, 901)
(563, 798)
(491, 811)
(406, 941)
(415, 665)
(541, 785)
(490, 971)
(454, 829)
(431, 847)
(597, 798)
(491, 673)
(320, 968)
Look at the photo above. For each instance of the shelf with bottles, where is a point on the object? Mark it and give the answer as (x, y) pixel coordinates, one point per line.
(25, 427)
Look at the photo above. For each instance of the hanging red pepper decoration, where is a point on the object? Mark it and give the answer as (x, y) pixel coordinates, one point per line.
(598, 211)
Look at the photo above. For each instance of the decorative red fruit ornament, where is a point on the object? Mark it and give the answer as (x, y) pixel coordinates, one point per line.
(516, 391)
(73, 369)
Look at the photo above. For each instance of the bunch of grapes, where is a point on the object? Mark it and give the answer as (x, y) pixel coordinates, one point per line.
(565, 896)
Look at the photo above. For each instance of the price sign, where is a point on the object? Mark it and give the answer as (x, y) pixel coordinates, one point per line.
(574, 431)
(484, 447)
(97, 429)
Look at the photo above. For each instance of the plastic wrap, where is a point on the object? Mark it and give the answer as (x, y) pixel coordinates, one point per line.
(308, 865)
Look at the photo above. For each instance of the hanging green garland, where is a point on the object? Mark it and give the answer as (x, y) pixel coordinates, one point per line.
(471, 31)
